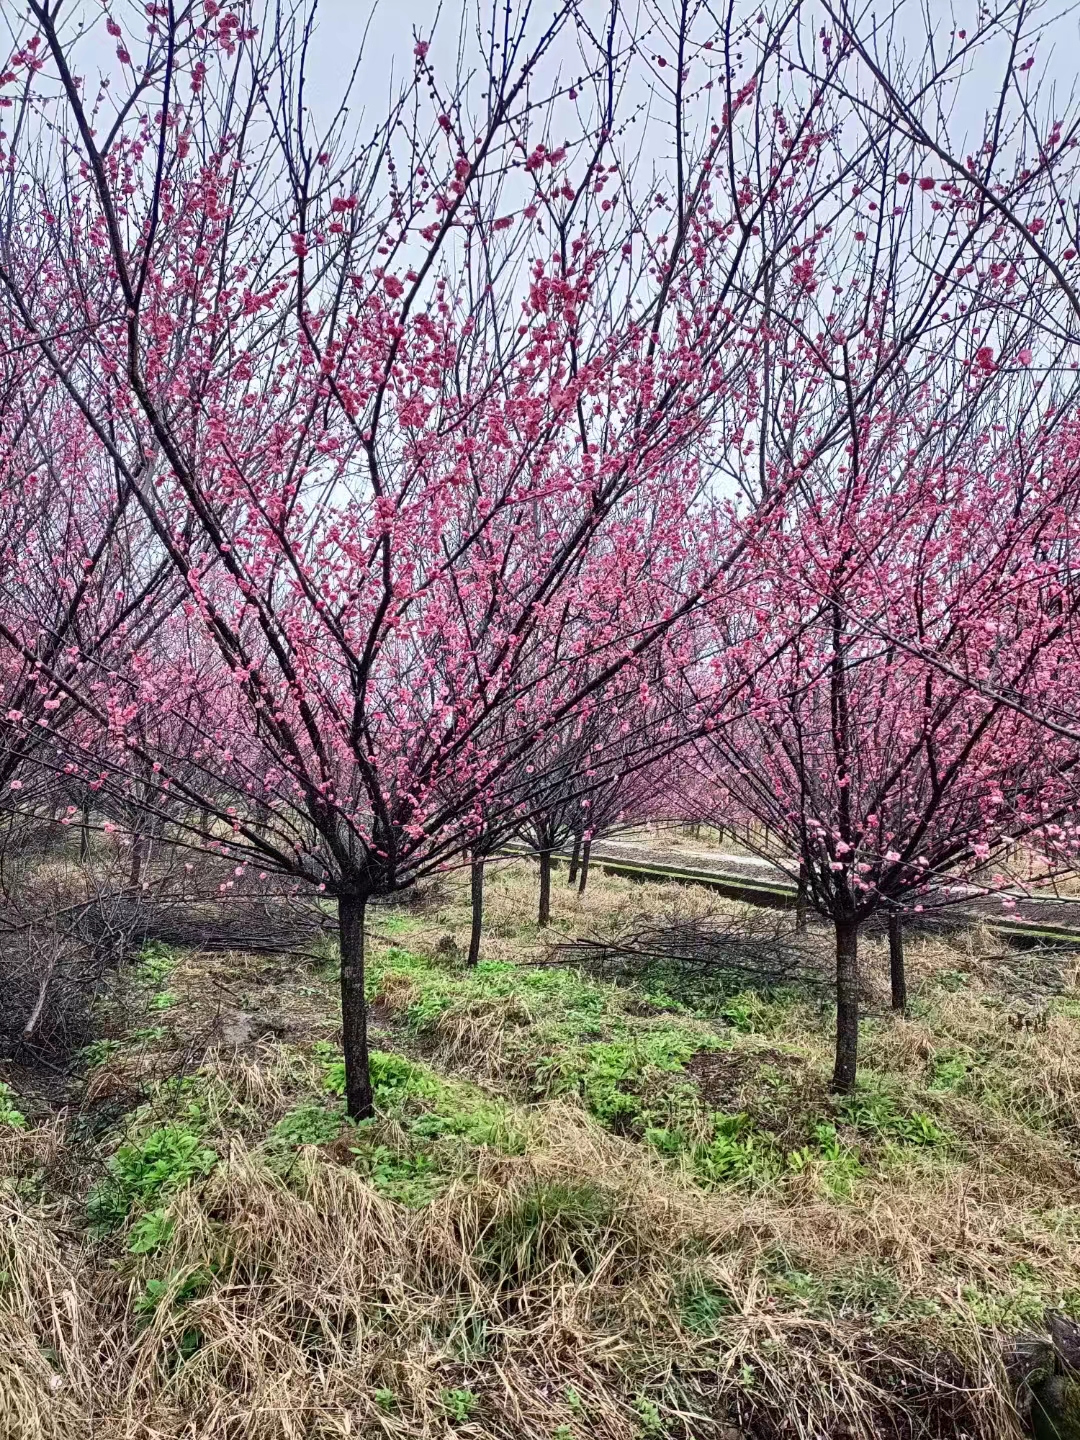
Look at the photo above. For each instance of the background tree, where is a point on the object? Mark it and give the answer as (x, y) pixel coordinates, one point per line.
(886, 782)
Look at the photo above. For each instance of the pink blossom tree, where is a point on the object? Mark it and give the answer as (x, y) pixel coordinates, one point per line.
(433, 430)
(411, 421)
(879, 747)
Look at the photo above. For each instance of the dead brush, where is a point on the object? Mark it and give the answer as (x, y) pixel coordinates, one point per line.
(474, 1033)
(300, 1300)
(26, 1151)
(262, 1083)
(52, 1347)
(129, 1073)
(397, 991)
(304, 1304)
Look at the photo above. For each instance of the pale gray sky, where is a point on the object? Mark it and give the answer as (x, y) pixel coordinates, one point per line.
(386, 28)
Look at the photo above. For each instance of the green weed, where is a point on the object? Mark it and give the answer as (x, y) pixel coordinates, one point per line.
(10, 1115)
(839, 1165)
(308, 1125)
(396, 924)
(458, 1405)
(149, 1233)
(950, 1071)
(156, 963)
(648, 1414)
(752, 1013)
(555, 1220)
(736, 1153)
(951, 980)
(410, 1178)
(192, 1284)
(431, 1106)
(138, 1174)
(702, 1305)
(875, 1112)
(97, 1052)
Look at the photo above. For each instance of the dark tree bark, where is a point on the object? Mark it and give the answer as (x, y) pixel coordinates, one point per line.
(545, 887)
(847, 1005)
(358, 1098)
(801, 906)
(584, 866)
(575, 857)
(897, 973)
(476, 885)
(138, 845)
(84, 834)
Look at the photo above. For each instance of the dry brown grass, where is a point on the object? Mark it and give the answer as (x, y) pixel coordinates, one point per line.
(292, 1300)
(549, 1275)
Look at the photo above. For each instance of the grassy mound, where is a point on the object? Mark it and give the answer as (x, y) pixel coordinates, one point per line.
(583, 1209)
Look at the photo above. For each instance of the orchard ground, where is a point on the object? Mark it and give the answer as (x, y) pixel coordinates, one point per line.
(584, 1208)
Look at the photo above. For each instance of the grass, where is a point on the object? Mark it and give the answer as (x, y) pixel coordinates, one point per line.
(582, 1210)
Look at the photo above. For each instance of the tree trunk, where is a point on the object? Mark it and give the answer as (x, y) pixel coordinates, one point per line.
(84, 834)
(571, 878)
(584, 866)
(476, 879)
(800, 900)
(135, 874)
(358, 1101)
(897, 973)
(847, 1005)
(545, 886)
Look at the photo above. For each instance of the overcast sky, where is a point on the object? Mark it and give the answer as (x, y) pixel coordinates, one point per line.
(385, 30)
